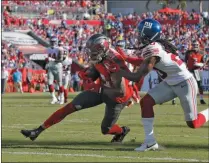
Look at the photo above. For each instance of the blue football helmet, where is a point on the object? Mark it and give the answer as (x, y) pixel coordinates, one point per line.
(149, 31)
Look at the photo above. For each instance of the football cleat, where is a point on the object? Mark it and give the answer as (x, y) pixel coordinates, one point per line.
(32, 134)
(146, 147)
(202, 102)
(119, 138)
(173, 102)
(58, 98)
(54, 101)
(61, 101)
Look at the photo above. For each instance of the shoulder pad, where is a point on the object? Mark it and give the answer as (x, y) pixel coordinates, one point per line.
(151, 50)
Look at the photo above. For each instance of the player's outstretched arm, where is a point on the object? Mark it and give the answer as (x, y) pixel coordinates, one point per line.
(144, 69)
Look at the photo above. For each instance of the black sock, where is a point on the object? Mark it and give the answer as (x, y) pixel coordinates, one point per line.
(40, 129)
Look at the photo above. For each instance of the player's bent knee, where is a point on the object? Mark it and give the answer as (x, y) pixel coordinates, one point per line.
(104, 130)
(190, 124)
(147, 103)
(147, 100)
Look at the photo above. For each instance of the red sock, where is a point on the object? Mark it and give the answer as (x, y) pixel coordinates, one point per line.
(61, 89)
(147, 103)
(115, 130)
(65, 93)
(59, 115)
(199, 121)
(51, 88)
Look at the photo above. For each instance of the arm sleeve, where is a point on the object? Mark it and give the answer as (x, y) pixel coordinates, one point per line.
(135, 77)
(134, 60)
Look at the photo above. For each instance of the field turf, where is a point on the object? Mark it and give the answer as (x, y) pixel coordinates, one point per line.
(78, 137)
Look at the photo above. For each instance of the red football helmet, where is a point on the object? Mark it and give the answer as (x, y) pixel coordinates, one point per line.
(97, 47)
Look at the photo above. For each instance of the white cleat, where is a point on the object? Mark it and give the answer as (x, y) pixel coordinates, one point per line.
(145, 147)
(58, 98)
(54, 101)
(61, 102)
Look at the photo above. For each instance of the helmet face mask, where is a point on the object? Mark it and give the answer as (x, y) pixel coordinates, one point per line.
(53, 41)
(97, 47)
(196, 46)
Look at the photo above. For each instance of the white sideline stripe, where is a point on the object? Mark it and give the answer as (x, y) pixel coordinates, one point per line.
(103, 156)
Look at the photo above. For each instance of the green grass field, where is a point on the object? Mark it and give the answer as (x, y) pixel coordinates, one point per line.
(78, 137)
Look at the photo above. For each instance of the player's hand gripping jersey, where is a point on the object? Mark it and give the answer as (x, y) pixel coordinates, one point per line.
(169, 66)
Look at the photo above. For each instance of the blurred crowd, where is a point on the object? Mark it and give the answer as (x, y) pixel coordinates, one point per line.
(11, 56)
(70, 9)
(75, 36)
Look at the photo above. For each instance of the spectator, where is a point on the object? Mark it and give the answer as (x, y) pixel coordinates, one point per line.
(4, 78)
(17, 78)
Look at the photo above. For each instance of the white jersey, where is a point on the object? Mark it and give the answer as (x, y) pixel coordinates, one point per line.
(53, 53)
(66, 65)
(170, 67)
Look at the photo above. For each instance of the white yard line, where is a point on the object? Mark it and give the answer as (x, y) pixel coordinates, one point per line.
(104, 156)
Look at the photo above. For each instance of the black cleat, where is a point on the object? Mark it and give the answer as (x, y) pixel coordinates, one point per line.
(173, 102)
(119, 138)
(202, 102)
(32, 134)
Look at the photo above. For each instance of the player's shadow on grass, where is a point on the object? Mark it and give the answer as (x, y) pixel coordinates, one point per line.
(96, 146)
(75, 145)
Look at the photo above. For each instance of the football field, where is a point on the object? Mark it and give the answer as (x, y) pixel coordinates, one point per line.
(78, 137)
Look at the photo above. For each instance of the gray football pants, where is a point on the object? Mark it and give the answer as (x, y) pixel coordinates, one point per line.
(89, 99)
(186, 91)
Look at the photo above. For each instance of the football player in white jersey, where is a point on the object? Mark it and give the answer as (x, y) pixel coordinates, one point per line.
(161, 55)
(54, 69)
(66, 64)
